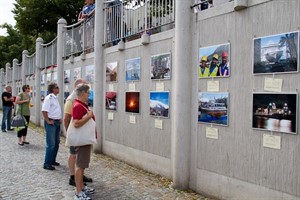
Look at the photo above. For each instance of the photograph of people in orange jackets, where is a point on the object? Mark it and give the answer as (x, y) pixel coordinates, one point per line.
(204, 67)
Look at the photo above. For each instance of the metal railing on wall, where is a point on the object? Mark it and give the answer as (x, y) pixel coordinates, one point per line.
(49, 54)
(129, 19)
(79, 37)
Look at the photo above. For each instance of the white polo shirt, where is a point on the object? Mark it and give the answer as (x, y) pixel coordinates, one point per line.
(52, 107)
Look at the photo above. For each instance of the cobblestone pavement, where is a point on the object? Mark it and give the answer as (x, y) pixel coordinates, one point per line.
(22, 176)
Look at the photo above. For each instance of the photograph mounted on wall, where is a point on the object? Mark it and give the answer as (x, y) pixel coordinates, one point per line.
(133, 69)
(159, 104)
(132, 102)
(213, 107)
(276, 54)
(90, 74)
(111, 71)
(161, 67)
(275, 112)
(111, 101)
(77, 73)
(214, 61)
(67, 76)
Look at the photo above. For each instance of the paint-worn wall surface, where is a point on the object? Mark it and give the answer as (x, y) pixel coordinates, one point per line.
(236, 164)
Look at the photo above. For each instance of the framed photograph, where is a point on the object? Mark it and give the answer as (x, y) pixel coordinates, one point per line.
(276, 54)
(214, 61)
(67, 76)
(132, 102)
(90, 74)
(77, 73)
(159, 103)
(111, 101)
(213, 107)
(161, 67)
(133, 69)
(275, 112)
(111, 71)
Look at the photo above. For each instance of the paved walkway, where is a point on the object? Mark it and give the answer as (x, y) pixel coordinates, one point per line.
(23, 178)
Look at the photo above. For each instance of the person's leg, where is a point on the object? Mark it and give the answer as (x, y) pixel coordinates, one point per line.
(20, 135)
(25, 130)
(5, 110)
(79, 179)
(71, 163)
(50, 144)
(9, 118)
(57, 140)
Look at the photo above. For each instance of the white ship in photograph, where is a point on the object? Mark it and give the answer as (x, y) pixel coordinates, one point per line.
(271, 53)
(214, 109)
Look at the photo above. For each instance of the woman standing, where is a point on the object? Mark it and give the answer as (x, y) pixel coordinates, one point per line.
(23, 100)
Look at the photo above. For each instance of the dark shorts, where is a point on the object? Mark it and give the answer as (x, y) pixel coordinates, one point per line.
(83, 155)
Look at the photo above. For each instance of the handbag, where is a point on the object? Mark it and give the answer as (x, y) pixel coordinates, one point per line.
(19, 122)
(81, 136)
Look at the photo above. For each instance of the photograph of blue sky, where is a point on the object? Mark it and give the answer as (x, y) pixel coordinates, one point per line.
(160, 96)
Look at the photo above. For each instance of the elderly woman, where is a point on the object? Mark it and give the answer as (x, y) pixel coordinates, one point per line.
(23, 101)
(81, 115)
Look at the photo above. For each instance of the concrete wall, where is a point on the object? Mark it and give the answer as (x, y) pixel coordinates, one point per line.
(236, 165)
(140, 144)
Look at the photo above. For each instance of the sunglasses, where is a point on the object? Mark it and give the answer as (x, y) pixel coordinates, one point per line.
(56, 87)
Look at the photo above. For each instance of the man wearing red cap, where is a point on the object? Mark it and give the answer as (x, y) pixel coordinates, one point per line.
(224, 66)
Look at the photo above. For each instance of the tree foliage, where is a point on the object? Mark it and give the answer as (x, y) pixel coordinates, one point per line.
(35, 18)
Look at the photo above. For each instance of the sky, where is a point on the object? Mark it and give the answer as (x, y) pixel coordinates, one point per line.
(6, 16)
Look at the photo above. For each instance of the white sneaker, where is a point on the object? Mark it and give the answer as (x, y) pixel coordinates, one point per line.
(88, 190)
(81, 196)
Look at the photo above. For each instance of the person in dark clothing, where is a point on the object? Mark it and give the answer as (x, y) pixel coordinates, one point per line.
(7, 105)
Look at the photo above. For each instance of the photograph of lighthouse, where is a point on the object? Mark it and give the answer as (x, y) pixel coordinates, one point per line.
(276, 53)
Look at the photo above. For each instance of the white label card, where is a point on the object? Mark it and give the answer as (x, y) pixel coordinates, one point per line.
(111, 87)
(132, 119)
(212, 133)
(131, 87)
(273, 84)
(272, 141)
(213, 86)
(160, 86)
(110, 116)
(158, 123)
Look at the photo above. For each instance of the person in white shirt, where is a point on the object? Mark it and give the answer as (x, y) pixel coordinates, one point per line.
(53, 117)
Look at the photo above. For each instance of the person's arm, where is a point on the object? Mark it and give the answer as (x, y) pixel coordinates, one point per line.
(80, 122)
(67, 119)
(8, 99)
(19, 101)
(46, 118)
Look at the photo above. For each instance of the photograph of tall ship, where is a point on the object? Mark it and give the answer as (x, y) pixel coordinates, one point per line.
(212, 108)
(275, 112)
(276, 53)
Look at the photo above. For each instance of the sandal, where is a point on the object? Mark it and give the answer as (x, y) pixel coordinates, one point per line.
(25, 142)
(20, 144)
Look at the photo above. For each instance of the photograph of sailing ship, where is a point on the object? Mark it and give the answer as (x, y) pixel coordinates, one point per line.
(111, 71)
(219, 52)
(213, 107)
(161, 67)
(159, 104)
(111, 101)
(275, 112)
(132, 102)
(133, 69)
(276, 53)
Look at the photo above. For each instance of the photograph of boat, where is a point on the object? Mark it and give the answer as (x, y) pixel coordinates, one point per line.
(159, 104)
(213, 108)
(276, 53)
(275, 112)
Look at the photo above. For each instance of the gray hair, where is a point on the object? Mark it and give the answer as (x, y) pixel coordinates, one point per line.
(81, 88)
(79, 81)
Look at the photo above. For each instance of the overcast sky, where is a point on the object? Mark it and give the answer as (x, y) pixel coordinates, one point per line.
(6, 16)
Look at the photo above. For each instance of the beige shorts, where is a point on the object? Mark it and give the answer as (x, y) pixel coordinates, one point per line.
(83, 155)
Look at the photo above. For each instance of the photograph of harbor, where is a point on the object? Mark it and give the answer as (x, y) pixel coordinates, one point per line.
(276, 53)
(111, 71)
(213, 107)
(133, 69)
(159, 104)
(275, 112)
(161, 67)
(132, 102)
(214, 61)
(111, 101)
